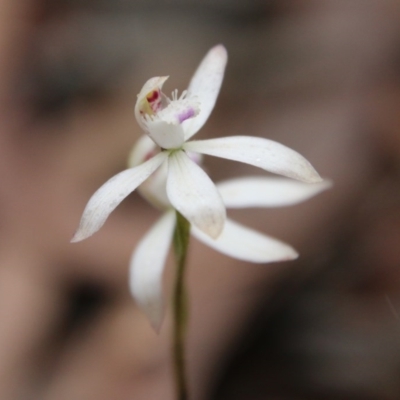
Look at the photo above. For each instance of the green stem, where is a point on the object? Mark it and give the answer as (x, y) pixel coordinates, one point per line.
(181, 244)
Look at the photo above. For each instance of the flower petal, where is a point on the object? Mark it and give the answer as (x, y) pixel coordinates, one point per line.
(194, 195)
(245, 244)
(256, 191)
(108, 196)
(166, 134)
(205, 85)
(260, 152)
(147, 266)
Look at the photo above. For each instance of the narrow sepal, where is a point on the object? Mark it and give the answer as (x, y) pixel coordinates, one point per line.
(257, 191)
(147, 266)
(246, 244)
(110, 195)
(262, 153)
(205, 86)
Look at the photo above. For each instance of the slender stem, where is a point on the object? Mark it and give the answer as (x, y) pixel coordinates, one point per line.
(181, 243)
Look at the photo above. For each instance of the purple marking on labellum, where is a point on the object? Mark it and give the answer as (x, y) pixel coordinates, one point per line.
(183, 116)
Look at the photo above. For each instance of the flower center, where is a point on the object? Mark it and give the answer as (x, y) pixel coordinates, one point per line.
(178, 109)
(163, 118)
(174, 110)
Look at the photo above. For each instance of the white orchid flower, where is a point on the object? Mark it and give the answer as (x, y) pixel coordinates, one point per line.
(235, 240)
(170, 123)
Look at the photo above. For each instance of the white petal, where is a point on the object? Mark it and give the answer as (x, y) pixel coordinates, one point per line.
(147, 266)
(245, 244)
(205, 85)
(194, 195)
(260, 152)
(108, 196)
(167, 135)
(256, 191)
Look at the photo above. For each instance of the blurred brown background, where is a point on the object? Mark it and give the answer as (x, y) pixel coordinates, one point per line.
(320, 76)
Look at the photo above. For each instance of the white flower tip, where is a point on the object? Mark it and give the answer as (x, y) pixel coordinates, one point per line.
(214, 230)
(326, 184)
(220, 51)
(156, 325)
(219, 55)
(319, 186)
(155, 314)
(291, 255)
(76, 238)
(311, 175)
(212, 224)
(288, 253)
(88, 226)
(80, 235)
